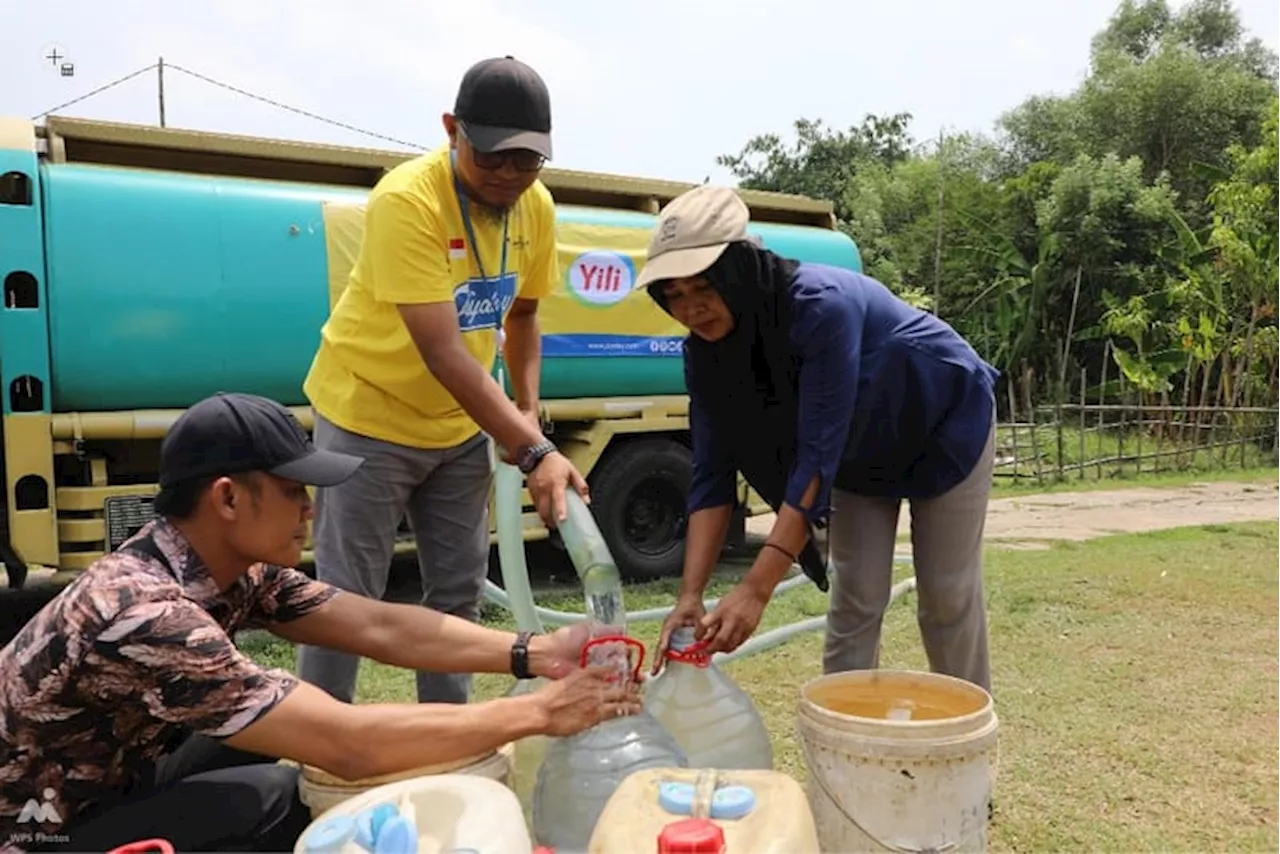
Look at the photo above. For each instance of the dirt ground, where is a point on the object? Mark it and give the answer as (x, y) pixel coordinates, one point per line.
(1028, 521)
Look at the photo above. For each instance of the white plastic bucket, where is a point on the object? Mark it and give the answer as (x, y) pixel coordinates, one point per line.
(898, 761)
(321, 791)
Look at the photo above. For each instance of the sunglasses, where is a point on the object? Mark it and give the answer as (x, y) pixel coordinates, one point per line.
(522, 159)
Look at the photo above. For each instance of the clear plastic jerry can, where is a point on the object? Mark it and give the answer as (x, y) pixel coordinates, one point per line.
(580, 773)
(713, 720)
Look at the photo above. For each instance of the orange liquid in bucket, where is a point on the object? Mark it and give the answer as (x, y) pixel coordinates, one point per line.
(897, 698)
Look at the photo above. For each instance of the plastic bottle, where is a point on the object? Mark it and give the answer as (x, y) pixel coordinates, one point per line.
(580, 773)
(710, 717)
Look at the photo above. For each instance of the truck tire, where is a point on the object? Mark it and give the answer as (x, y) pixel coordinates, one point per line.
(638, 494)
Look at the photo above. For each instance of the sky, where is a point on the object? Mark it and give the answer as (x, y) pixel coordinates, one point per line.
(653, 88)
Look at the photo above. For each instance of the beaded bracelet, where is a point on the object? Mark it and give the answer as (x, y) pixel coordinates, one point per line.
(781, 549)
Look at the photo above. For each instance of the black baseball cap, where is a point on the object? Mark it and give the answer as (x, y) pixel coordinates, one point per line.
(236, 433)
(503, 104)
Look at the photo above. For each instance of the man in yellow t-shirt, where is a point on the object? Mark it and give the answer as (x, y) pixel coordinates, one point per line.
(459, 246)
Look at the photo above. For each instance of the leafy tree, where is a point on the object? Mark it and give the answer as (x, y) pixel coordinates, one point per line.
(1176, 90)
(821, 162)
(1133, 219)
(1244, 234)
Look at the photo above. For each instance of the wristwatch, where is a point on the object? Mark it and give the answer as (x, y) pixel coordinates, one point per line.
(529, 457)
(520, 656)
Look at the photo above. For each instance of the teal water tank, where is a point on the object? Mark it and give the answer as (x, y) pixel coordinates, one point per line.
(164, 288)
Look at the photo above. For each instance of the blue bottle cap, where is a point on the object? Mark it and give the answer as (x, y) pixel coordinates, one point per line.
(732, 802)
(676, 798)
(398, 836)
(331, 834)
(369, 822)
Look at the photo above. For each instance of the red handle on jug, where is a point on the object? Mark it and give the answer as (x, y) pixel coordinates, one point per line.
(607, 639)
(694, 654)
(144, 846)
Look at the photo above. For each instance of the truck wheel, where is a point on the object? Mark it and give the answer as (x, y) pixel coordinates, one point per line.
(638, 494)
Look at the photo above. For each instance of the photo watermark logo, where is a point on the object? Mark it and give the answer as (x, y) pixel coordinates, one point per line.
(41, 813)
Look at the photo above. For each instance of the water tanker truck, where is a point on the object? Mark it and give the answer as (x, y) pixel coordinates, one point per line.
(145, 268)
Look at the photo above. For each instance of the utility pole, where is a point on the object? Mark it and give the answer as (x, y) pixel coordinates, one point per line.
(160, 88)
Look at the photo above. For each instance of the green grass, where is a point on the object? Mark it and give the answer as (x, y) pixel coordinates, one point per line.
(1136, 681)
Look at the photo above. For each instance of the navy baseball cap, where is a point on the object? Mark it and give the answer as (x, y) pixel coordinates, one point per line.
(503, 104)
(236, 433)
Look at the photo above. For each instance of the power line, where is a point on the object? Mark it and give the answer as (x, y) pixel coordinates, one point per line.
(97, 91)
(237, 90)
(290, 109)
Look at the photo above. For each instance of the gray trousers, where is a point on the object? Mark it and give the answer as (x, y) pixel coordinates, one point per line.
(445, 493)
(946, 542)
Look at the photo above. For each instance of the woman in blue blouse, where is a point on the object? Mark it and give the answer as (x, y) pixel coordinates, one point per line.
(836, 400)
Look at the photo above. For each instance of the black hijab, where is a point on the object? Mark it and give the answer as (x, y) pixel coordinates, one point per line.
(749, 378)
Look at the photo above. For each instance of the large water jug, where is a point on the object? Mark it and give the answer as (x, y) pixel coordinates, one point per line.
(580, 774)
(710, 717)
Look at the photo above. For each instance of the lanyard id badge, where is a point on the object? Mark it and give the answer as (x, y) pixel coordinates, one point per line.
(465, 207)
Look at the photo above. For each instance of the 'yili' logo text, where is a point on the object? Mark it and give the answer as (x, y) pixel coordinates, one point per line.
(601, 278)
(483, 303)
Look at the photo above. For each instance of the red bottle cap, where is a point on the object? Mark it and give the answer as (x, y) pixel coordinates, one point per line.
(144, 846)
(691, 836)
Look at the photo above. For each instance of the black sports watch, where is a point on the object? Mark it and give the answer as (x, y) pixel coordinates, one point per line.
(529, 457)
(520, 656)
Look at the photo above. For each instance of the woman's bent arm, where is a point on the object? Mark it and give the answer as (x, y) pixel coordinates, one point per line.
(702, 544)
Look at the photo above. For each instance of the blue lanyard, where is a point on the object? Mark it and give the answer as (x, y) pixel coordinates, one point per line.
(465, 207)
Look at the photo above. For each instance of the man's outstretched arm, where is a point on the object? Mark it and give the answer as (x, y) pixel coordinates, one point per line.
(174, 658)
(361, 740)
(418, 638)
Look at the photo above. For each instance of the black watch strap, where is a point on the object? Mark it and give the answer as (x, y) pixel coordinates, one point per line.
(529, 457)
(520, 656)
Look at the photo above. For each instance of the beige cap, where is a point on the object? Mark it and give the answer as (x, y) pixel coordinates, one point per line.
(693, 230)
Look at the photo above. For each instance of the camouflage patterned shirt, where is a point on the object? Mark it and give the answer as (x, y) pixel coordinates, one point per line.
(128, 659)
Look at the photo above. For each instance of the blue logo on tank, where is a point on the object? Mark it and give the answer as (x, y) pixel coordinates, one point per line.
(483, 303)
